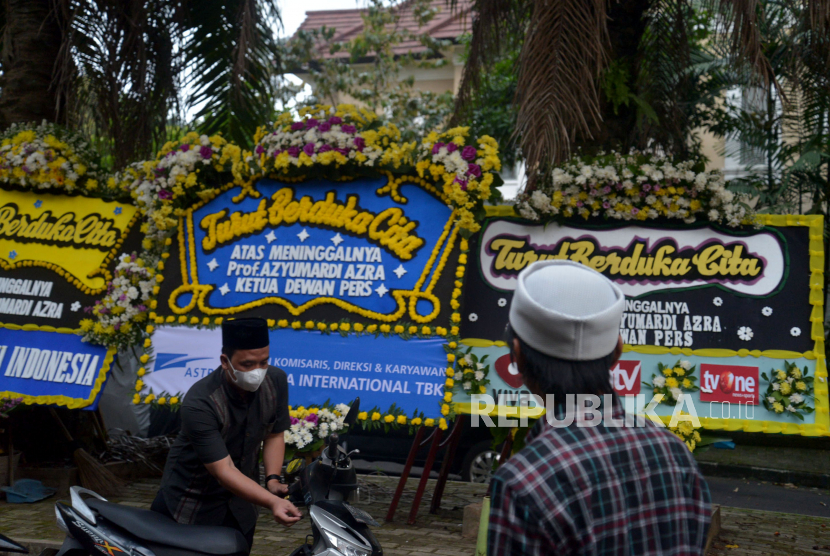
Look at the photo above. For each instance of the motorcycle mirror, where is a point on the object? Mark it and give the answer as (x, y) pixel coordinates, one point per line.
(351, 416)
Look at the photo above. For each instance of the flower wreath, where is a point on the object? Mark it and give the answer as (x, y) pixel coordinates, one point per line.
(49, 157)
(634, 187)
(789, 391)
(673, 381)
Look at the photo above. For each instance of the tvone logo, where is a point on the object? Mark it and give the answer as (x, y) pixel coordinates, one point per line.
(625, 378)
(729, 383)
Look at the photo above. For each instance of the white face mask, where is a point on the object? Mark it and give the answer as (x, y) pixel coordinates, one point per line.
(249, 380)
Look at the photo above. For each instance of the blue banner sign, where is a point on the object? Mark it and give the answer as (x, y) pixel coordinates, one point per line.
(381, 370)
(51, 367)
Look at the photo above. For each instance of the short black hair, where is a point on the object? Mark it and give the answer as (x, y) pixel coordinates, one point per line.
(561, 377)
(228, 351)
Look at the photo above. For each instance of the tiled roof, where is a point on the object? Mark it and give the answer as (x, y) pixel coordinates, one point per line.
(448, 24)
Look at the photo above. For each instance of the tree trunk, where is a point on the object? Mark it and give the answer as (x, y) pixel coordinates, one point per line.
(618, 130)
(31, 44)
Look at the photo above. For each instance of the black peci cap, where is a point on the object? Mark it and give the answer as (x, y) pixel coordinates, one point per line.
(249, 333)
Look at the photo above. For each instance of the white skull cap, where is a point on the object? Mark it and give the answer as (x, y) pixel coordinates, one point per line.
(567, 310)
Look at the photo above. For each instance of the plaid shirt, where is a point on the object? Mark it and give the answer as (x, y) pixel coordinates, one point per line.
(599, 491)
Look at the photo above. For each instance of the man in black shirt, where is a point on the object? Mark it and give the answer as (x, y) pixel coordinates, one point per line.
(212, 472)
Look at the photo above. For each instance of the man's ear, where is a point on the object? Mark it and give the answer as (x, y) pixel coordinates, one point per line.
(617, 351)
(225, 361)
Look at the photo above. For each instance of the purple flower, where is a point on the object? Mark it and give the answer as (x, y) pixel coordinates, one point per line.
(184, 148)
(141, 308)
(325, 149)
(474, 170)
(206, 152)
(343, 151)
(606, 190)
(462, 183)
(642, 194)
(359, 143)
(335, 120)
(635, 211)
(606, 205)
(656, 188)
(164, 194)
(259, 149)
(593, 192)
(294, 420)
(437, 147)
(452, 147)
(580, 204)
(325, 126)
(158, 172)
(348, 128)
(311, 123)
(297, 126)
(117, 326)
(294, 152)
(618, 186)
(468, 153)
(122, 297)
(311, 418)
(26, 169)
(646, 187)
(309, 149)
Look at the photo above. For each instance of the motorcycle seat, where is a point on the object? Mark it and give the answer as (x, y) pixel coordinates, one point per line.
(156, 528)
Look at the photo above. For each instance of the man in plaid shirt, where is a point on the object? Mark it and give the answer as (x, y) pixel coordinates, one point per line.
(583, 488)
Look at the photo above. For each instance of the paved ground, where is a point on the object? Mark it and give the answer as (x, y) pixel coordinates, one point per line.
(747, 531)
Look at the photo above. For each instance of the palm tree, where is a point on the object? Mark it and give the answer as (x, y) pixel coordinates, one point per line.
(606, 74)
(119, 69)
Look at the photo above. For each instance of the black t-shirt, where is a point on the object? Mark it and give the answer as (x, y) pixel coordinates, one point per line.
(217, 421)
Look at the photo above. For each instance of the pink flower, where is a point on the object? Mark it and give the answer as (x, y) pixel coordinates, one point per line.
(606, 205)
(348, 128)
(206, 152)
(646, 187)
(297, 126)
(606, 190)
(468, 153)
(452, 147)
(359, 143)
(580, 204)
(309, 149)
(474, 170)
(657, 188)
(635, 211)
(437, 147)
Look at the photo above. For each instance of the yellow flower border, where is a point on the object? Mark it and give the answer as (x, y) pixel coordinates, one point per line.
(187, 259)
(821, 427)
(66, 401)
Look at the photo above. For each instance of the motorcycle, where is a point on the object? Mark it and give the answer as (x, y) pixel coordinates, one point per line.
(8, 545)
(325, 487)
(94, 526)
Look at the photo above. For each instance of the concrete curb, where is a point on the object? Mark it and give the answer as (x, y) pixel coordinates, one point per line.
(35, 546)
(798, 478)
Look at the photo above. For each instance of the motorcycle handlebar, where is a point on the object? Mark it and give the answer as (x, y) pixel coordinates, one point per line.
(332, 449)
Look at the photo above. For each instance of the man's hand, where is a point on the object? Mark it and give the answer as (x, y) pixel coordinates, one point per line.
(285, 512)
(277, 488)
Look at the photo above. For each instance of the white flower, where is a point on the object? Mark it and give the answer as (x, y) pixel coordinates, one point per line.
(659, 381)
(766, 311)
(745, 333)
(717, 302)
(468, 360)
(796, 398)
(795, 331)
(502, 302)
(473, 317)
(686, 365)
(791, 409)
(770, 399)
(676, 393)
(776, 386)
(480, 366)
(479, 375)
(467, 385)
